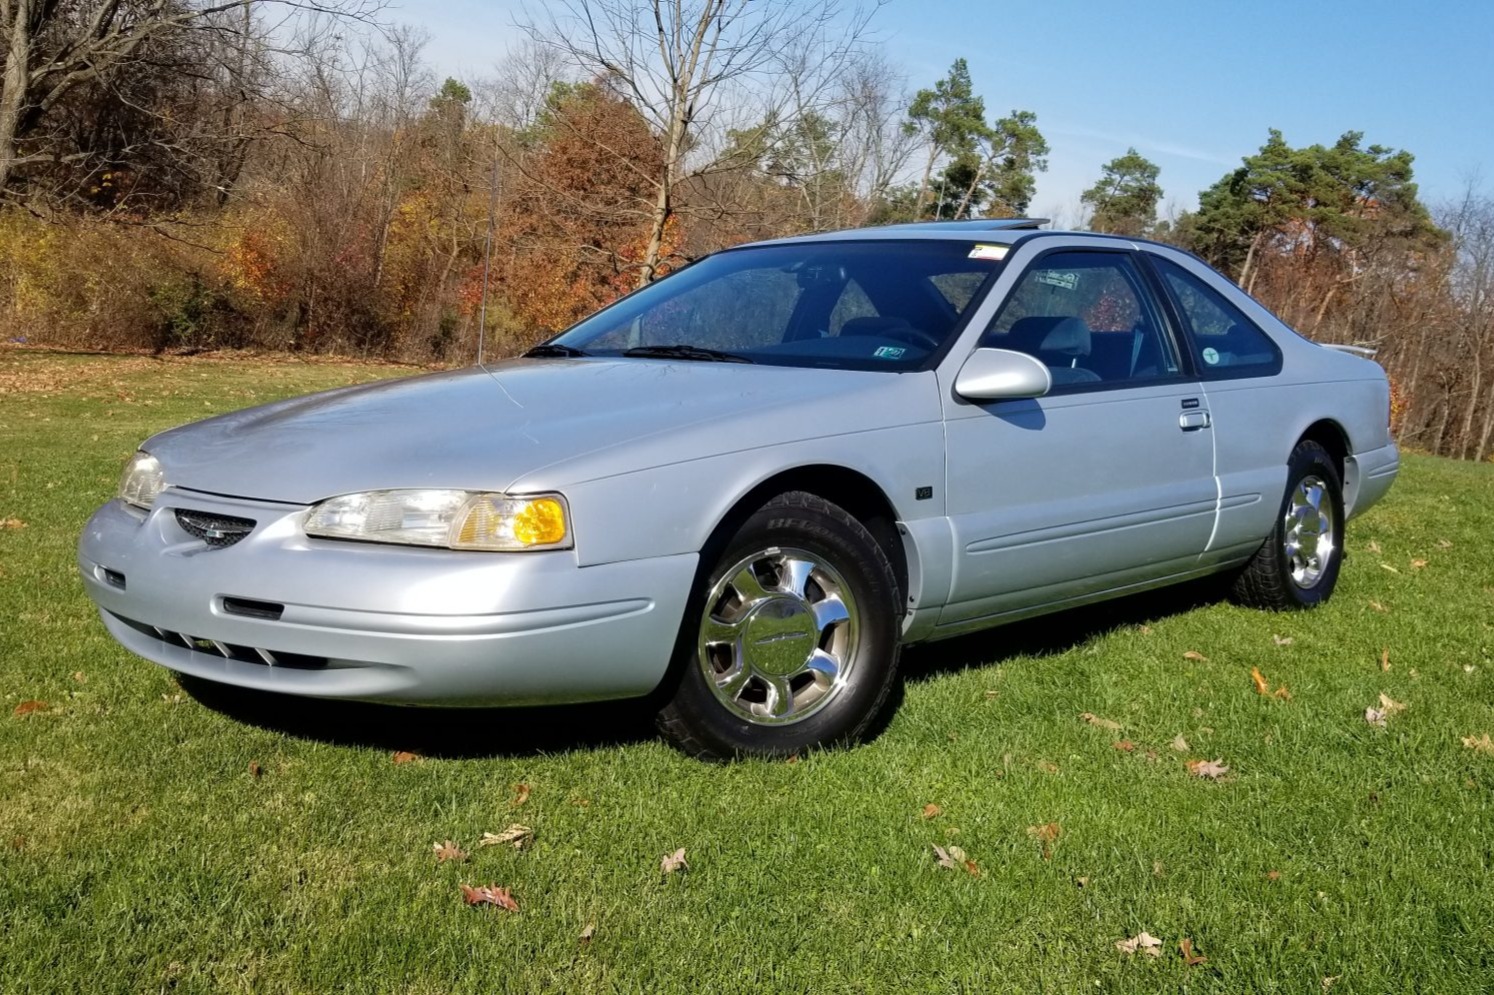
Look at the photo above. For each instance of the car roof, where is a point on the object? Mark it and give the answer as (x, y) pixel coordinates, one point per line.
(997, 231)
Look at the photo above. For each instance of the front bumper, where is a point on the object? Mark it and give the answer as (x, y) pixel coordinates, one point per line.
(377, 622)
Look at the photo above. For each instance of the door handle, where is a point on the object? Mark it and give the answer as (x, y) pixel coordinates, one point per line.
(1190, 421)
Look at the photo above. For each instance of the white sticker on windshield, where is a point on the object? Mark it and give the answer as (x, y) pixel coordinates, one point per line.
(997, 252)
(1058, 278)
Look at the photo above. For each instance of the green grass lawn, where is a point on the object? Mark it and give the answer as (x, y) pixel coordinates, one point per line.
(140, 852)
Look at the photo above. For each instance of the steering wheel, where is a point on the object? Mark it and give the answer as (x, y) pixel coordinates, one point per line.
(912, 336)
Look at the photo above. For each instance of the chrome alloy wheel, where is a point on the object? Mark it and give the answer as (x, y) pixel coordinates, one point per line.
(778, 638)
(1310, 541)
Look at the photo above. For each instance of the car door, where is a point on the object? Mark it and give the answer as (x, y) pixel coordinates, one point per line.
(1255, 418)
(1107, 482)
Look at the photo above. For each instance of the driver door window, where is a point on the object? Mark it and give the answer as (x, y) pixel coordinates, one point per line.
(1088, 317)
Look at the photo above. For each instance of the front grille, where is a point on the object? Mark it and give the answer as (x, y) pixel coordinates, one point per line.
(217, 531)
(229, 651)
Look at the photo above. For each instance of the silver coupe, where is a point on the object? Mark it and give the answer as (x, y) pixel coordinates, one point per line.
(745, 487)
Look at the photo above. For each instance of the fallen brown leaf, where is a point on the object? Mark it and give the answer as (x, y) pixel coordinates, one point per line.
(255, 770)
(27, 707)
(955, 859)
(1378, 607)
(489, 894)
(992, 695)
(588, 933)
(1190, 957)
(674, 862)
(1124, 745)
(1095, 720)
(1444, 544)
(80, 677)
(521, 794)
(11, 523)
(1261, 687)
(1385, 660)
(1047, 766)
(1479, 744)
(1373, 547)
(1281, 640)
(1081, 882)
(1142, 942)
(1213, 769)
(1180, 744)
(1047, 834)
(1282, 693)
(1273, 875)
(1196, 656)
(932, 811)
(516, 836)
(404, 757)
(448, 851)
(1418, 564)
(1146, 630)
(1158, 871)
(1328, 980)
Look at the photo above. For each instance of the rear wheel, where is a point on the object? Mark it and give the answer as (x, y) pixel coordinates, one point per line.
(1298, 566)
(791, 638)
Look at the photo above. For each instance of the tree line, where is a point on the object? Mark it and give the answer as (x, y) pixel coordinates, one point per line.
(190, 174)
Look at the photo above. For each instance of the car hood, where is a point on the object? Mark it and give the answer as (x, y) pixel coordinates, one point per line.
(486, 428)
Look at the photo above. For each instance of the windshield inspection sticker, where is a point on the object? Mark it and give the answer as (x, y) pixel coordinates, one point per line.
(889, 352)
(997, 252)
(1211, 356)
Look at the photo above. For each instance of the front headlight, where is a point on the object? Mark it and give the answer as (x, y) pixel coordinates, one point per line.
(142, 480)
(452, 519)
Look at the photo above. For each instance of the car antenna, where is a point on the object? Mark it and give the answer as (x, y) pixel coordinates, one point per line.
(487, 253)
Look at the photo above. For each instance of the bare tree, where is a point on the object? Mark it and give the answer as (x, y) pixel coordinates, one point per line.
(675, 59)
(52, 49)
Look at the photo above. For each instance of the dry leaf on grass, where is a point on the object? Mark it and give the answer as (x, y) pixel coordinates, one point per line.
(521, 794)
(1418, 564)
(1388, 707)
(1387, 566)
(448, 851)
(1261, 687)
(1098, 722)
(1281, 640)
(1385, 660)
(992, 695)
(1378, 607)
(1047, 766)
(489, 894)
(931, 811)
(1213, 769)
(1328, 980)
(255, 770)
(516, 836)
(11, 523)
(404, 757)
(1443, 544)
(1180, 744)
(1124, 745)
(1190, 957)
(1142, 942)
(1047, 834)
(1479, 744)
(588, 933)
(1373, 547)
(80, 677)
(955, 859)
(1196, 656)
(27, 707)
(1081, 882)
(674, 862)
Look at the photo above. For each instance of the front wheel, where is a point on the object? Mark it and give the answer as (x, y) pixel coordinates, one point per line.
(790, 640)
(1298, 566)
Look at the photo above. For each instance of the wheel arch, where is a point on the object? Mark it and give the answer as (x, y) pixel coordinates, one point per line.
(1331, 436)
(860, 495)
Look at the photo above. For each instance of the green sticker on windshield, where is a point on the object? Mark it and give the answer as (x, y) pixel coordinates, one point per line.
(889, 352)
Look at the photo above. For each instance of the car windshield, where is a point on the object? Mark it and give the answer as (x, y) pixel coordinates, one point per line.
(864, 305)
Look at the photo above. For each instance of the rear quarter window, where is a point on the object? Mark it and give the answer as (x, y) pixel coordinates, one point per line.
(1225, 343)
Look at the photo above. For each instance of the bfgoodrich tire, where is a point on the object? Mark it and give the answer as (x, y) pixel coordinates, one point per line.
(1299, 563)
(790, 640)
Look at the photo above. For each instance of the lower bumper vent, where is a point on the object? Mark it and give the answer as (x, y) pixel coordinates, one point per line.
(228, 651)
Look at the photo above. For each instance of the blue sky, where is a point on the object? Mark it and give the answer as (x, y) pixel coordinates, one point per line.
(1192, 84)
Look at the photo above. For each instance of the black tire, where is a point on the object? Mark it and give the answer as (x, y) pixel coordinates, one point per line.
(1272, 581)
(850, 567)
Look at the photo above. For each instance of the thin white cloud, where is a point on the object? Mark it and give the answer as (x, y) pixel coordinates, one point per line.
(1143, 143)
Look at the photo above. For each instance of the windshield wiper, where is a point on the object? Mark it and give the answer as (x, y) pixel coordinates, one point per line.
(552, 350)
(686, 352)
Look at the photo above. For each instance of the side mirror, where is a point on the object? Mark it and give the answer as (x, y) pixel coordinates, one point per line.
(1001, 375)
